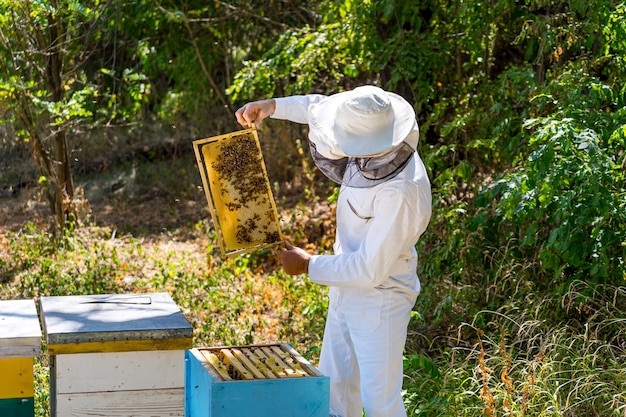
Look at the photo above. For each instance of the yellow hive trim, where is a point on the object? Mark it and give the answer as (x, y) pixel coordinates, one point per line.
(17, 378)
(181, 343)
(256, 362)
(238, 191)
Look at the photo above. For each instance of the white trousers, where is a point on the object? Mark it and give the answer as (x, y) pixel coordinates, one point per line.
(362, 350)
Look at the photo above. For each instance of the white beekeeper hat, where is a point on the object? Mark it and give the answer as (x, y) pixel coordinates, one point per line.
(365, 122)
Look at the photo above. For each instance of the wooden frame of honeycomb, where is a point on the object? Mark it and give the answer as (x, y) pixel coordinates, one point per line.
(238, 192)
(245, 363)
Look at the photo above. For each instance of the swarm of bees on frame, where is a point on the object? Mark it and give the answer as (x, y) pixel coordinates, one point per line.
(245, 207)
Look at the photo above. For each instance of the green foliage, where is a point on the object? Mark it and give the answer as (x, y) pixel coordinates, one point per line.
(528, 176)
(615, 34)
(42, 384)
(198, 47)
(425, 386)
(302, 60)
(28, 80)
(565, 202)
(43, 275)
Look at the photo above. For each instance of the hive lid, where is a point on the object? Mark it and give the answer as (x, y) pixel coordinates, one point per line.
(238, 192)
(20, 333)
(114, 323)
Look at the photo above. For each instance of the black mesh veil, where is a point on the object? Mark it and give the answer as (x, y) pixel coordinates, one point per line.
(364, 172)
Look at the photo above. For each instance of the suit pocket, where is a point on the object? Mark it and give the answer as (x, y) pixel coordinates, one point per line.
(355, 207)
(359, 212)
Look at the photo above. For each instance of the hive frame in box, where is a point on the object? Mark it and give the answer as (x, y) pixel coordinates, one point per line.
(253, 362)
(214, 193)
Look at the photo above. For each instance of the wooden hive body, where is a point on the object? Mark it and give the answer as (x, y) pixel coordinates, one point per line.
(238, 192)
(116, 355)
(208, 393)
(20, 342)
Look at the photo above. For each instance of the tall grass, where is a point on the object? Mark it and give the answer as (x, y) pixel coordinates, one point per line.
(514, 364)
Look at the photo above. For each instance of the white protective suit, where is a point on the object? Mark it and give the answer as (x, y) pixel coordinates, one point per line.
(373, 283)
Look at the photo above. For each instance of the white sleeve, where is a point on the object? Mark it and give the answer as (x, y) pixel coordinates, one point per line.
(295, 108)
(388, 248)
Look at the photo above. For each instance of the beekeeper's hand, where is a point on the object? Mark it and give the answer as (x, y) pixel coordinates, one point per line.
(255, 112)
(295, 260)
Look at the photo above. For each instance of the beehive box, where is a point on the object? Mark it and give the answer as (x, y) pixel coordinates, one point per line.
(262, 380)
(116, 355)
(20, 342)
(238, 192)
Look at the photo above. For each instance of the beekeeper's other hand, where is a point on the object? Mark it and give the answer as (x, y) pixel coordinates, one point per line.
(295, 260)
(255, 112)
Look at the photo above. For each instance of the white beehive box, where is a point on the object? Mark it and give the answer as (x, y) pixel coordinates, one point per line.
(116, 355)
(20, 342)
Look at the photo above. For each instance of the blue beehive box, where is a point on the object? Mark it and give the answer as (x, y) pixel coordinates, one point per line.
(259, 380)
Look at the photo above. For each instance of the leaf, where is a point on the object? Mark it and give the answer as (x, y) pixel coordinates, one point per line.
(421, 362)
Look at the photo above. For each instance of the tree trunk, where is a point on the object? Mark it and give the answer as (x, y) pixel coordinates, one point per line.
(63, 183)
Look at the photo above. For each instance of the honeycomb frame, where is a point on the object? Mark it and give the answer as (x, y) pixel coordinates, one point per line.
(238, 192)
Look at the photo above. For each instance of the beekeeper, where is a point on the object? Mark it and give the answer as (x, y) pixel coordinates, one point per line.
(366, 141)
